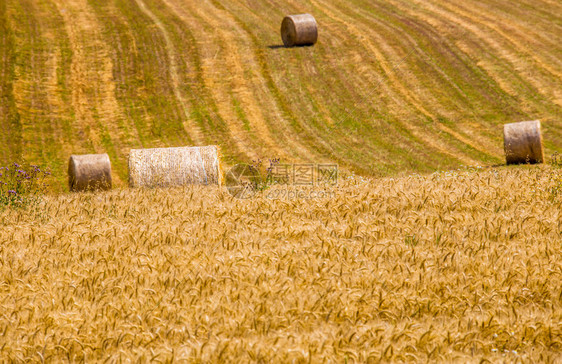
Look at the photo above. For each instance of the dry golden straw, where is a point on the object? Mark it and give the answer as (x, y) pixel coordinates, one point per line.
(166, 167)
(523, 142)
(298, 30)
(452, 267)
(89, 172)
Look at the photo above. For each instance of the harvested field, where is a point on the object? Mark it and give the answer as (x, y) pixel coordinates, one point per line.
(390, 87)
(461, 266)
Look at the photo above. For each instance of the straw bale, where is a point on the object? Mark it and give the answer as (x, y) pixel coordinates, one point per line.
(89, 172)
(523, 142)
(298, 30)
(166, 167)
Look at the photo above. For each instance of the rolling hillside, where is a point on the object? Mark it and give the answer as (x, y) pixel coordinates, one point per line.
(391, 86)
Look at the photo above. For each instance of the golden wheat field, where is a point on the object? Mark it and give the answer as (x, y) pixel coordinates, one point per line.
(454, 266)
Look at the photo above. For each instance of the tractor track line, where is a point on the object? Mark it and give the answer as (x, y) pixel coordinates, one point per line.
(191, 128)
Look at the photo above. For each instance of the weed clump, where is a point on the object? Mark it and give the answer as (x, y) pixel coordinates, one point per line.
(21, 185)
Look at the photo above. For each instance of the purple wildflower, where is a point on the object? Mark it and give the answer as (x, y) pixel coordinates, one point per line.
(16, 165)
(12, 192)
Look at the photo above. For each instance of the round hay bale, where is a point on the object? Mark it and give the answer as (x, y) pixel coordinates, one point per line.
(523, 142)
(299, 30)
(166, 167)
(89, 172)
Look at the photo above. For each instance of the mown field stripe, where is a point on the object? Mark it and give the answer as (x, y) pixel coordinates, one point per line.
(10, 125)
(35, 86)
(219, 70)
(488, 53)
(528, 59)
(361, 117)
(131, 86)
(191, 128)
(305, 66)
(96, 109)
(203, 109)
(432, 140)
(248, 83)
(259, 47)
(488, 132)
(448, 72)
(437, 55)
(288, 62)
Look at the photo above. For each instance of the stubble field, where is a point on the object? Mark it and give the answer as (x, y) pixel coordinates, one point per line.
(463, 265)
(391, 87)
